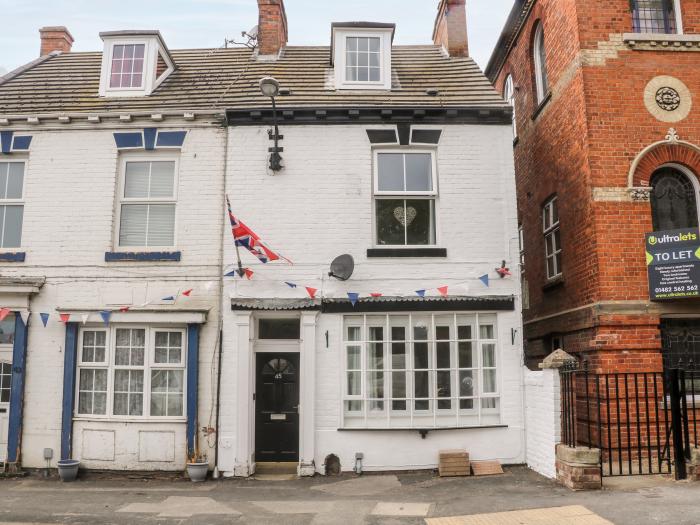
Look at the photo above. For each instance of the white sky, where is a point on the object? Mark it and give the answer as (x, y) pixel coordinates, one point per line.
(205, 23)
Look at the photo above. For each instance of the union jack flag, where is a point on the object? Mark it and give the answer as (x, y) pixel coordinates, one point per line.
(248, 239)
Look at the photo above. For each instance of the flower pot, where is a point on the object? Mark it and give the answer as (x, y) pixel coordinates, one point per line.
(68, 469)
(197, 472)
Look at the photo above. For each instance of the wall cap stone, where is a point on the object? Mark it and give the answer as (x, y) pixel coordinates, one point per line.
(578, 456)
(556, 360)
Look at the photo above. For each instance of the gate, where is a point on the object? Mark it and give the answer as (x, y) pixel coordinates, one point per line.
(642, 422)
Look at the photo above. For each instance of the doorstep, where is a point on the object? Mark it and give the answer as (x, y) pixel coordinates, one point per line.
(276, 471)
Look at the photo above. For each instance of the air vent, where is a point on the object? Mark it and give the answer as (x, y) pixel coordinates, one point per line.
(432, 92)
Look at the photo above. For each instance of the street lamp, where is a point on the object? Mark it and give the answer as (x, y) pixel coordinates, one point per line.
(271, 88)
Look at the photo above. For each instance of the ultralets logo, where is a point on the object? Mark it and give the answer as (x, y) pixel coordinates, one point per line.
(666, 238)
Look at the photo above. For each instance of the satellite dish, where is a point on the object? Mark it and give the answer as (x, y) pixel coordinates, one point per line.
(342, 267)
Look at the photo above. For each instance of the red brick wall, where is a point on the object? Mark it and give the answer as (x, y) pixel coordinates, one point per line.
(587, 136)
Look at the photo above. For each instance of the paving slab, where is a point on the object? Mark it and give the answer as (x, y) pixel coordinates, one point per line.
(384, 508)
(363, 486)
(181, 507)
(569, 515)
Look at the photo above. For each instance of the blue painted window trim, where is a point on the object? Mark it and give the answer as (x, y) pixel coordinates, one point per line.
(18, 257)
(150, 139)
(69, 377)
(21, 143)
(171, 139)
(6, 141)
(143, 256)
(128, 140)
(10, 142)
(19, 362)
(192, 389)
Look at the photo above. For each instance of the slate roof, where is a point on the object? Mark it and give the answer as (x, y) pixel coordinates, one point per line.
(210, 79)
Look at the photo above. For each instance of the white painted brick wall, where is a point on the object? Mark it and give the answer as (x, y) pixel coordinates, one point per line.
(69, 225)
(543, 420)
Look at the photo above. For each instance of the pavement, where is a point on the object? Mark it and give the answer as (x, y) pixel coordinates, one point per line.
(518, 497)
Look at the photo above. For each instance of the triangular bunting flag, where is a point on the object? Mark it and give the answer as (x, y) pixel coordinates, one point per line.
(353, 297)
(443, 291)
(4, 312)
(168, 298)
(84, 318)
(64, 318)
(420, 293)
(187, 293)
(105, 314)
(232, 273)
(311, 292)
(291, 285)
(248, 273)
(376, 294)
(24, 314)
(124, 308)
(44, 318)
(485, 279)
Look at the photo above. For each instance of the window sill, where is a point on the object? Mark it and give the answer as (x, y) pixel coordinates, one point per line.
(13, 257)
(553, 283)
(406, 252)
(668, 41)
(422, 431)
(542, 105)
(105, 419)
(143, 256)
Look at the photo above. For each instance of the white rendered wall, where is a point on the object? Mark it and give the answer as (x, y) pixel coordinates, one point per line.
(69, 215)
(543, 420)
(320, 206)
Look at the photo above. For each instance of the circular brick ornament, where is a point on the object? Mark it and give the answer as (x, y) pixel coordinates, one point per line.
(667, 99)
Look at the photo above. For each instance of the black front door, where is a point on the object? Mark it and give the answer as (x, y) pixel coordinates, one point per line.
(277, 407)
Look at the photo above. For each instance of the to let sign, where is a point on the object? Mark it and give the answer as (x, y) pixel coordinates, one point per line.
(673, 261)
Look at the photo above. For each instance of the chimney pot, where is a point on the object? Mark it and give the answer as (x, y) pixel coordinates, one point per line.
(450, 29)
(55, 38)
(272, 27)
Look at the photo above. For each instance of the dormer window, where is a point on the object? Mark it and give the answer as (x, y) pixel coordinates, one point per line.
(361, 55)
(134, 63)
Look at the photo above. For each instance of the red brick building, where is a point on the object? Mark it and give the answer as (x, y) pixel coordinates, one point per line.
(607, 148)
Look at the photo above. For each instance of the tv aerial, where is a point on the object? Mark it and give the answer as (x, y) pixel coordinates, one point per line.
(342, 267)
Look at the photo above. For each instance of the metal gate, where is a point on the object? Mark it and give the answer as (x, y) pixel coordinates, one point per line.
(642, 422)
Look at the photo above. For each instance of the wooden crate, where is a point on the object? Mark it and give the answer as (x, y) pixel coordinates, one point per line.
(454, 463)
(486, 468)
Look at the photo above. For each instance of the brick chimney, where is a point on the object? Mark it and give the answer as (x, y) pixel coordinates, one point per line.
(272, 27)
(451, 27)
(55, 38)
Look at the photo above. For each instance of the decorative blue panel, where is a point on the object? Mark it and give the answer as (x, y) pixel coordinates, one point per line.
(129, 140)
(171, 139)
(19, 361)
(13, 257)
(149, 138)
(21, 143)
(69, 373)
(192, 388)
(143, 256)
(6, 141)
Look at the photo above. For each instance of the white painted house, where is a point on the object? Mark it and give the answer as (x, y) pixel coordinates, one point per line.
(114, 168)
(400, 156)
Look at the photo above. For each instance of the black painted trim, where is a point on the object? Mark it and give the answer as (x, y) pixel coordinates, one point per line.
(475, 304)
(373, 115)
(381, 136)
(426, 136)
(404, 133)
(406, 252)
(542, 105)
(143, 256)
(13, 257)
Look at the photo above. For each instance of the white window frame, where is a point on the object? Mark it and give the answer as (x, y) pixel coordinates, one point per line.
(9, 364)
(679, 19)
(549, 229)
(150, 65)
(340, 36)
(149, 365)
(14, 202)
(509, 97)
(541, 78)
(434, 417)
(406, 195)
(120, 199)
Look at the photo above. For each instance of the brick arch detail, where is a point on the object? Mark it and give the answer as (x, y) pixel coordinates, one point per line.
(649, 160)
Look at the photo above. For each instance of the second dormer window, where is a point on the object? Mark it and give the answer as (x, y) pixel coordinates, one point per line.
(363, 59)
(127, 66)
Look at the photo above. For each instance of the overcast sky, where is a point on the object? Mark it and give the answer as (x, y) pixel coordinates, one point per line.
(206, 23)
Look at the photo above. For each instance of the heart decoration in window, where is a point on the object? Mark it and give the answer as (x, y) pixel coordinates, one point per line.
(405, 217)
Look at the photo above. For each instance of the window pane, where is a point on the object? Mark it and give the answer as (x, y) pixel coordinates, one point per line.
(376, 356)
(421, 358)
(351, 74)
(486, 331)
(363, 44)
(7, 330)
(354, 383)
(162, 179)
(464, 332)
(354, 358)
(398, 356)
(391, 171)
(354, 333)
(15, 180)
(279, 328)
(420, 221)
(419, 172)
(132, 227)
(374, 74)
(444, 389)
(374, 44)
(375, 382)
(175, 405)
(4, 167)
(12, 234)
(466, 383)
(466, 356)
(374, 61)
(136, 180)
(489, 353)
(352, 43)
(161, 225)
(391, 217)
(489, 381)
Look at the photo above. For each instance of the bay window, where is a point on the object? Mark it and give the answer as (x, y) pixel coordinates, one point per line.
(420, 371)
(405, 193)
(131, 372)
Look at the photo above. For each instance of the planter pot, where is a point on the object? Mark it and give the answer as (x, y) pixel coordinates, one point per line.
(197, 472)
(68, 469)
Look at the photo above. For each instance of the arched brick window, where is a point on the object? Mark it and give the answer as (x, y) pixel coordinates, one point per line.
(673, 200)
(509, 97)
(540, 64)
